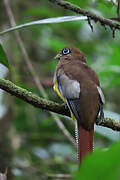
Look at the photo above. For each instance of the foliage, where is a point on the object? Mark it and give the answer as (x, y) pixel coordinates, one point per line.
(102, 164)
(39, 147)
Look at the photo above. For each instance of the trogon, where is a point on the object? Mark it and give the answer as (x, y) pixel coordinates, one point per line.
(78, 86)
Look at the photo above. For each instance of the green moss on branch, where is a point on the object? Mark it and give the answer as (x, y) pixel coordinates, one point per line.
(31, 98)
(41, 103)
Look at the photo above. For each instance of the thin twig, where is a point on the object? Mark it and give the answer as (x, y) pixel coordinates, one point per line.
(89, 22)
(33, 73)
(41, 103)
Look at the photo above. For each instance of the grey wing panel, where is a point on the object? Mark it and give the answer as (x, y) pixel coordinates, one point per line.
(70, 89)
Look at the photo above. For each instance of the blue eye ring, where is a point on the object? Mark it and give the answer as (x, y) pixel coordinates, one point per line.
(66, 51)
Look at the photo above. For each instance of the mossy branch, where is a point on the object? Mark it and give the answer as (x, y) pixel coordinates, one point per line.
(48, 105)
(31, 98)
(91, 16)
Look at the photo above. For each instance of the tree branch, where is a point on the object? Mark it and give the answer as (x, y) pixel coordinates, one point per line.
(32, 99)
(96, 18)
(44, 104)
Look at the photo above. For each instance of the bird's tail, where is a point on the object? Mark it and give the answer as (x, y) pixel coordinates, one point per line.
(85, 142)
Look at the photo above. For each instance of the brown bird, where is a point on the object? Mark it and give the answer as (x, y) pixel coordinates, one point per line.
(77, 84)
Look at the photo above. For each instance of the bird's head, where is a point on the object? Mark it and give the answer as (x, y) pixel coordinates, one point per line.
(70, 53)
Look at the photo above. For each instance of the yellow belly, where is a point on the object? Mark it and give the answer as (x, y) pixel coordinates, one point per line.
(55, 87)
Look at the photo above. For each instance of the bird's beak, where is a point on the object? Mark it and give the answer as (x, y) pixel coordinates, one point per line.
(58, 56)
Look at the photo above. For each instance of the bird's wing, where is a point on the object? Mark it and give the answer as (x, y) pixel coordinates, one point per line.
(70, 90)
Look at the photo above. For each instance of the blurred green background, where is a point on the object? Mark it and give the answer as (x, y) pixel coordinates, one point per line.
(32, 144)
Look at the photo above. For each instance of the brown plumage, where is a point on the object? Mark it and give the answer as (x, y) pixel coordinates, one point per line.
(79, 85)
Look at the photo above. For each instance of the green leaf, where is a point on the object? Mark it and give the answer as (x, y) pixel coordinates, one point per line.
(102, 164)
(3, 57)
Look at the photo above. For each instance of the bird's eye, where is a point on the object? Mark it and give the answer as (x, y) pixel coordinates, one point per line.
(66, 51)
